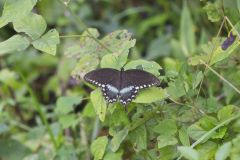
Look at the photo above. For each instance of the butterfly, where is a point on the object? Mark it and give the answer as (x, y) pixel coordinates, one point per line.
(122, 86)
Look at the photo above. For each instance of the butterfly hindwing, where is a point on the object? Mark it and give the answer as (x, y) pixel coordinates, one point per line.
(127, 94)
(110, 93)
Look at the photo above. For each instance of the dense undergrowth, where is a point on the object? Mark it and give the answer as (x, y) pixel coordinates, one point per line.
(47, 111)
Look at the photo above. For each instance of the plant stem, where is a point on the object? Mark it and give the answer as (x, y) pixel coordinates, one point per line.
(221, 77)
(40, 112)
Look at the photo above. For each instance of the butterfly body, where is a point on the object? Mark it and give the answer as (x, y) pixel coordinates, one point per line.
(121, 85)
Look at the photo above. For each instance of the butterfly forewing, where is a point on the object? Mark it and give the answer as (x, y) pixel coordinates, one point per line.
(108, 80)
(139, 79)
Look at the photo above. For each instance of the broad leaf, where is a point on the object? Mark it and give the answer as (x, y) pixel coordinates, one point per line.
(118, 139)
(87, 63)
(212, 12)
(48, 42)
(32, 24)
(167, 126)
(12, 150)
(13, 10)
(15, 43)
(151, 95)
(98, 147)
(149, 66)
(114, 61)
(138, 138)
(99, 104)
(66, 104)
(166, 140)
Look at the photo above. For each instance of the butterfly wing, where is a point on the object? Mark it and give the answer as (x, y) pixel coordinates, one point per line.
(108, 80)
(132, 81)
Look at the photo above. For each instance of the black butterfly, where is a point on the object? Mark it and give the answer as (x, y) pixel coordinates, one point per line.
(121, 85)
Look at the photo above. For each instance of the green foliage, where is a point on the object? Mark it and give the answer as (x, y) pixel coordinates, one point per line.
(47, 111)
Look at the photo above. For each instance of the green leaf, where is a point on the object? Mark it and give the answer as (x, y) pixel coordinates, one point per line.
(84, 65)
(99, 104)
(113, 156)
(13, 10)
(207, 150)
(118, 117)
(223, 151)
(183, 137)
(12, 150)
(32, 24)
(195, 131)
(69, 120)
(215, 53)
(187, 36)
(212, 12)
(85, 46)
(166, 140)
(198, 79)
(147, 24)
(88, 110)
(225, 113)
(114, 61)
(151, 95)
(66, 152)
(118, 138)
(48, 42)
(98, 147)
(167, 126)
(119, 41)
(15, 43)
(149, 66)
(138, 138)
(189, 153)
(158, 48)
(66, 104)
(176, 86)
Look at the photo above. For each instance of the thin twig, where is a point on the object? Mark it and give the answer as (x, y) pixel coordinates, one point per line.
(221, 77)
(209, 60)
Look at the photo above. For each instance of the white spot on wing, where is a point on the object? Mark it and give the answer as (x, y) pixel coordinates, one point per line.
(126, 89)
(112, 88)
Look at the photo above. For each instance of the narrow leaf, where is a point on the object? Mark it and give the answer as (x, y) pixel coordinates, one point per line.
(187, 36)
(189, 153)
(223, 151)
